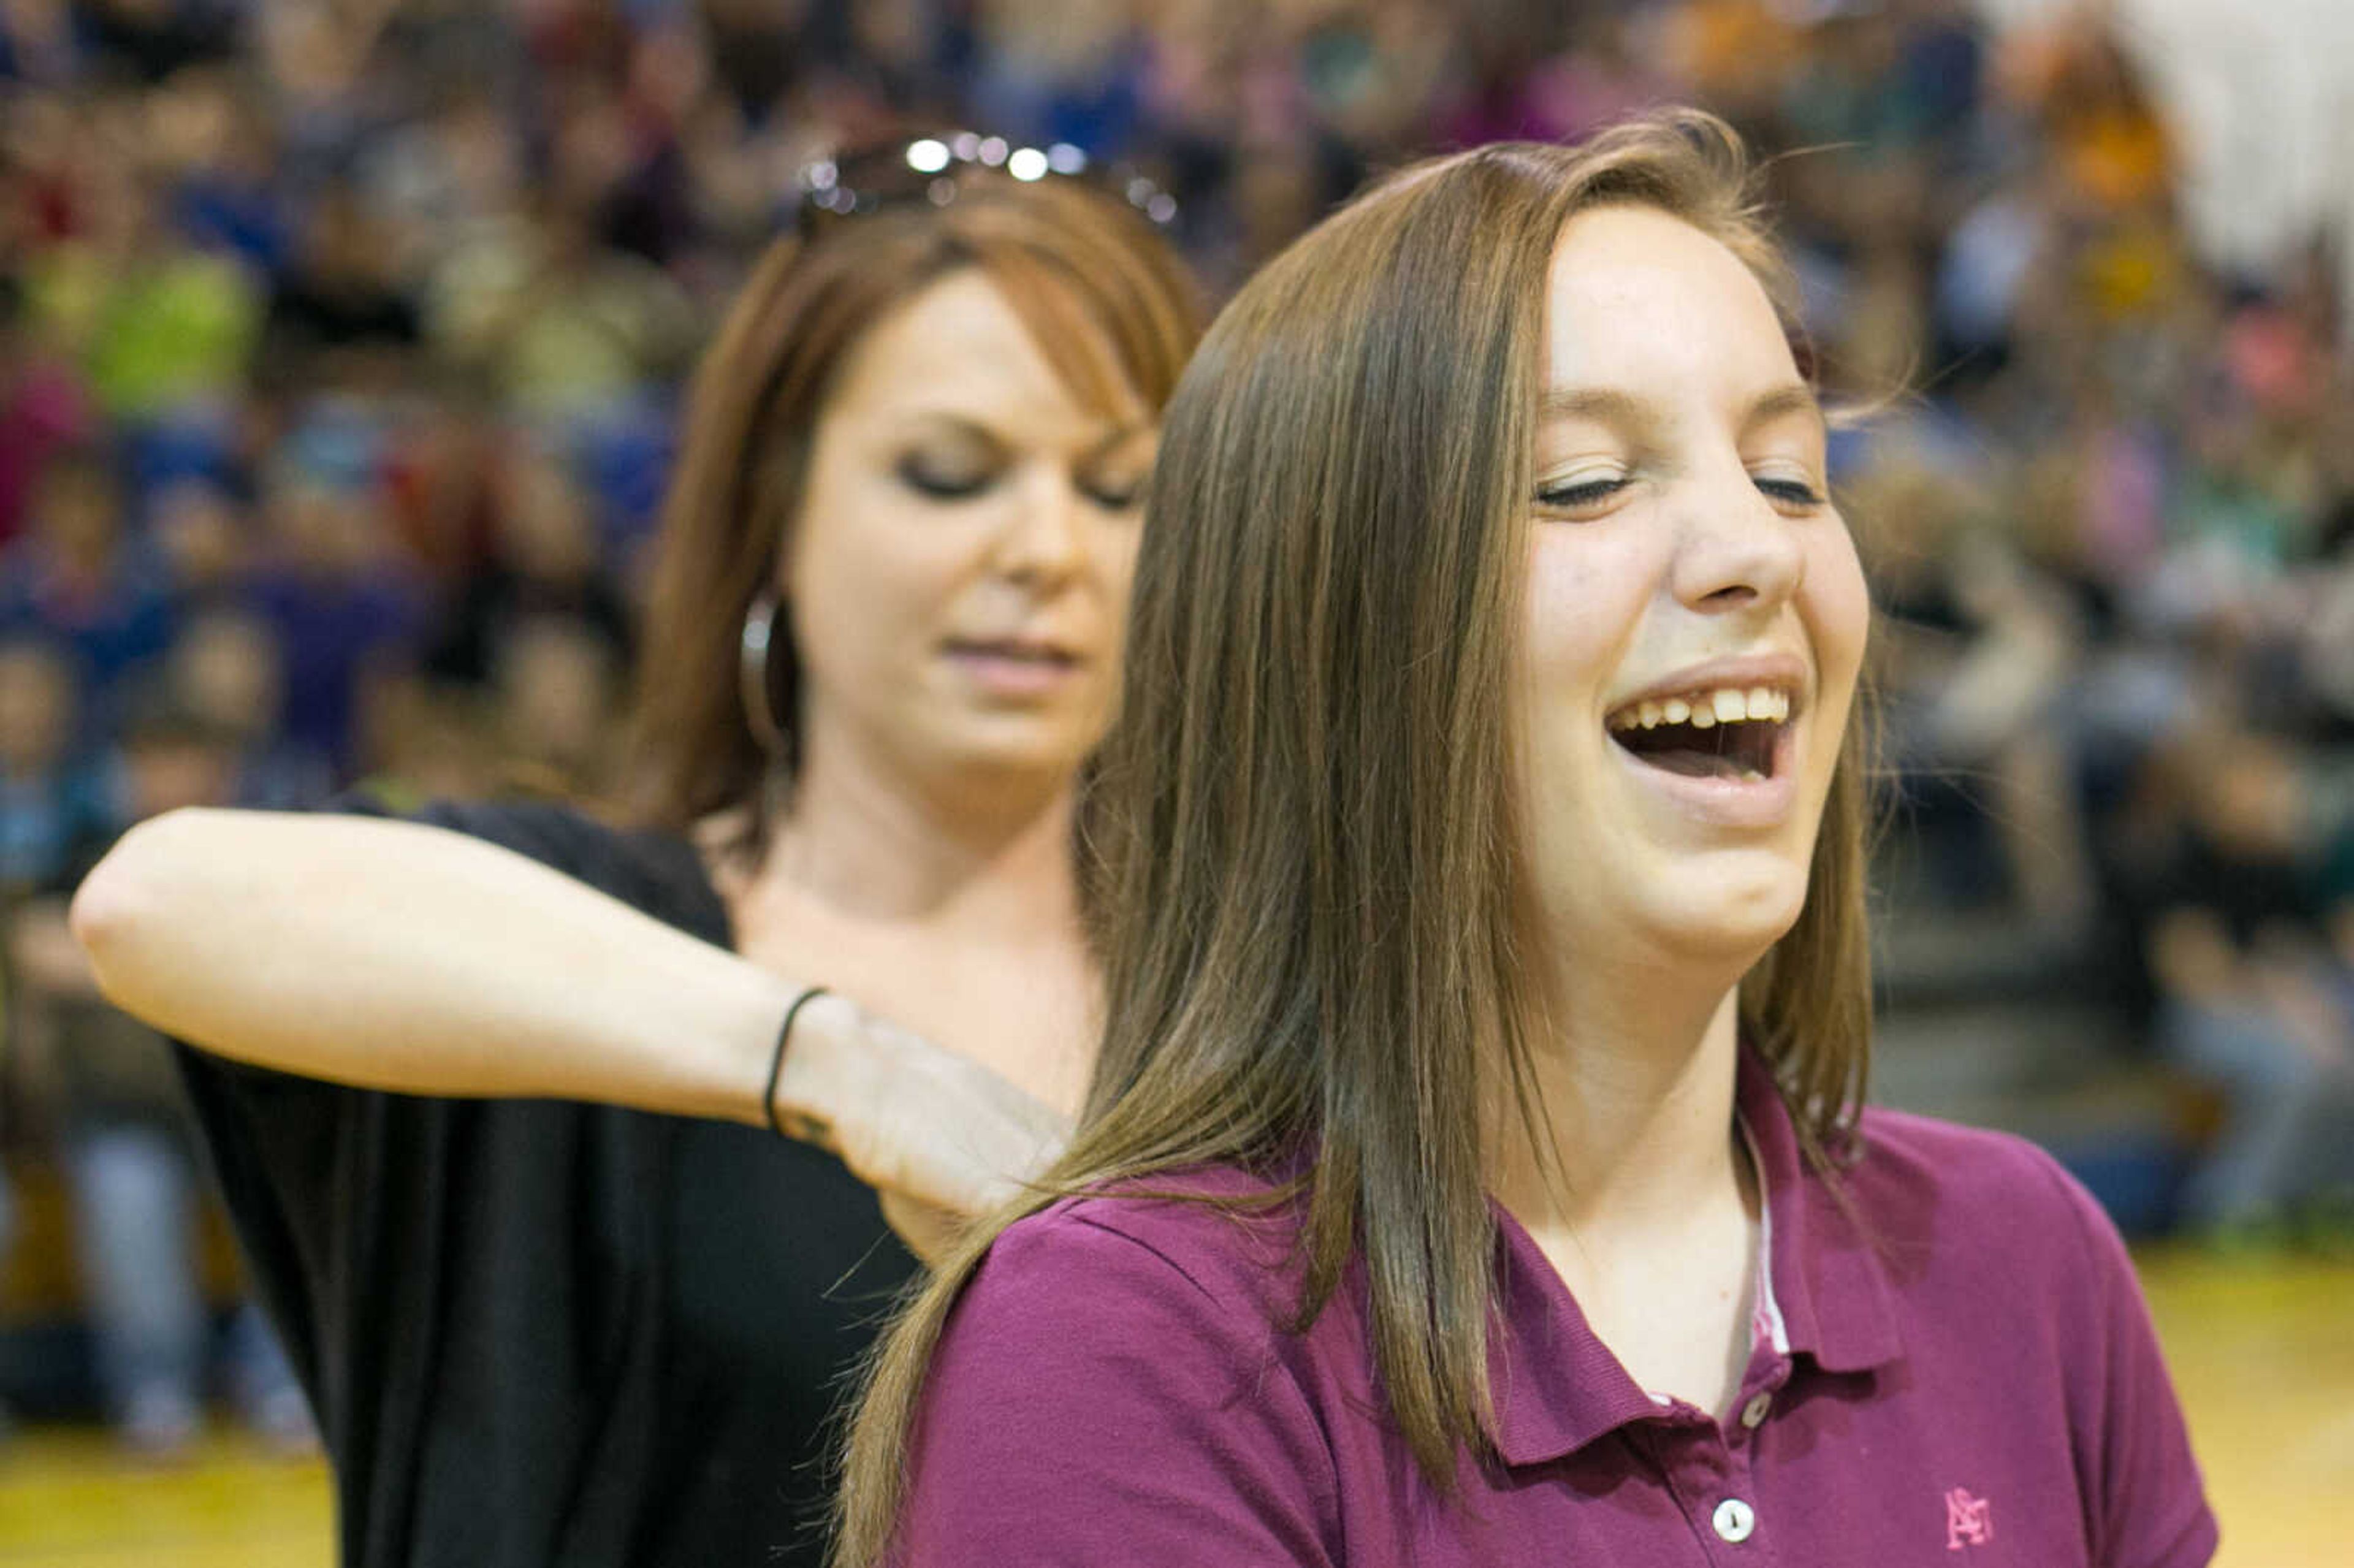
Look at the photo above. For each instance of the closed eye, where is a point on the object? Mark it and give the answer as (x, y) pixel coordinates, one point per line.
(1113, 497)
(1582, 496)
(942, 483)
(1588, 493)
(1789, 492)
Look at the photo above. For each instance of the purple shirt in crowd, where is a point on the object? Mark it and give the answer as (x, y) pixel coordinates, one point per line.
(1969, 1379)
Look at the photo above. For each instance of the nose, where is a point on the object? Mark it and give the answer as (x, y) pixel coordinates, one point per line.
(1043, 540)
(1734, 549)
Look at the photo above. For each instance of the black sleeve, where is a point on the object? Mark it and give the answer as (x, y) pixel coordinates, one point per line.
(358, 1210)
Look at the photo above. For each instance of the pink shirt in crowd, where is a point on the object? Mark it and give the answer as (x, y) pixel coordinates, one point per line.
(1969, 1379)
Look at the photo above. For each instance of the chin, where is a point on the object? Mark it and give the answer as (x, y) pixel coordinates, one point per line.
(1733, 910)
(1004, 744)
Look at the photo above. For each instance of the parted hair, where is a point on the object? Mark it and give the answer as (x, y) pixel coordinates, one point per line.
(1102, 291)
(1305, 814)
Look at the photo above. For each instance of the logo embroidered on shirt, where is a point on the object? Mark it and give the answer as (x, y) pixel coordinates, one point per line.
(1969, 1521)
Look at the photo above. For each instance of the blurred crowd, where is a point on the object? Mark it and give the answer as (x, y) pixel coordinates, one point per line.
(341, 340)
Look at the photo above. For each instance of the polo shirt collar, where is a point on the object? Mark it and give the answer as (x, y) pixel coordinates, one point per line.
(1557, 1387)
(1830, 1281)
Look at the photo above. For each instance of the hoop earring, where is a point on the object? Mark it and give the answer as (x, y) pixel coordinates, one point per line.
(759, 703)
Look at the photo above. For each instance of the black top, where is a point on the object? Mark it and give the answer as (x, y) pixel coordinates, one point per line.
(539, 1333)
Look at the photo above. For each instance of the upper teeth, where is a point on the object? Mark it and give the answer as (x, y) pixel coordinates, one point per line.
(1706, 710)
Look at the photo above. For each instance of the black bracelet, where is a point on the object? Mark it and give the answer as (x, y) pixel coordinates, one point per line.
(777, 1063)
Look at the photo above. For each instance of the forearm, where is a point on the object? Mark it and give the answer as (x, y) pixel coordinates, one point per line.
(397, 955)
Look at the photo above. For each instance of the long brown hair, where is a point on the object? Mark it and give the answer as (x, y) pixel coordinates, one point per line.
(1102, 291)
(1308, 838)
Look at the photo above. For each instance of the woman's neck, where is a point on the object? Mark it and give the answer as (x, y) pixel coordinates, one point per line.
(874, 844)
(1641, 1200)
(1634, 1112)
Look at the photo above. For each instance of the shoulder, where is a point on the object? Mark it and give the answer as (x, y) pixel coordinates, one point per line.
(1971, 1154)
(1203, 1245)
(1113, 1347)
(1990, 1202)
(1169, 1276)
(2006, 1258)
(1923, 1159)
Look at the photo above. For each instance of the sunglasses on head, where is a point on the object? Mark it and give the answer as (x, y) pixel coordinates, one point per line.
(929, 169)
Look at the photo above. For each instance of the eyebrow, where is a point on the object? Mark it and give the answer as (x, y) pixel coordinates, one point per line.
(969, 426)
(1122, 435)
(1601, 404)
(1608, 406)
(1781, 403)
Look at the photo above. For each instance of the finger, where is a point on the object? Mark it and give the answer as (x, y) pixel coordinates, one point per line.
(928, 1232)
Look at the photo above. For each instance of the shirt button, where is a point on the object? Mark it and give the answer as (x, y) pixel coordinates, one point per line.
(1735, 1520)
(1753, 1415)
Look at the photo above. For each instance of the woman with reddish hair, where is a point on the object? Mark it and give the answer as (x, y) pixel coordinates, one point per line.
(472, 1081)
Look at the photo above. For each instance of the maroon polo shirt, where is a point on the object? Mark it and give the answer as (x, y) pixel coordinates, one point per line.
(1955, 1369)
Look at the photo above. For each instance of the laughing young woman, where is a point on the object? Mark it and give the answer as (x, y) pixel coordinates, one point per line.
(1475, 1170)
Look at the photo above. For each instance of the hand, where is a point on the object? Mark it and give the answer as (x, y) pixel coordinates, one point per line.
(927, 1232)
(941, 1138)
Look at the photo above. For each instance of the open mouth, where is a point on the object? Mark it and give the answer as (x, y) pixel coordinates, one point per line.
(1728, 733)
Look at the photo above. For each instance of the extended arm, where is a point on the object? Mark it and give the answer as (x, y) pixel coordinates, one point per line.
(397, 955)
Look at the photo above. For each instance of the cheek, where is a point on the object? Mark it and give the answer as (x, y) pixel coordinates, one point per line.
(871, 580)
(1836, 606)
(869, 560)
(1584, 603)
(1112, 558)
(1583, 613)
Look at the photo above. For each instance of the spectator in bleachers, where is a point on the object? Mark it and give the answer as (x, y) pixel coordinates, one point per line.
(157, 325)
(203, 540)
(52, 807)
(227, 671)
(2243, 933)
(563, 327)
(212, 134)
(43, 410)
(154, 38)
(545, 561)
(340, 296)
(344, 609)
(130, 1161)
(80, 574)
(552, 683)
(51, 811)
